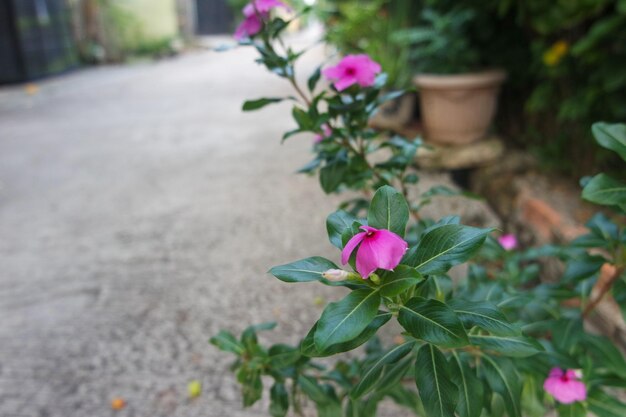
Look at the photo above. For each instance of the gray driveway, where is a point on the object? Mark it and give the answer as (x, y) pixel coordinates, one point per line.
(139, 211)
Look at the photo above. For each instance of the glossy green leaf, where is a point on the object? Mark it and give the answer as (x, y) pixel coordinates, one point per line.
(611, 136)
(470, 402)
(399, 280)
(346, 319)
(605, 190)
(432, 377)
(305, 270)
(371, 375)
(337, 223)
(393, 374)
(571, 410)
(251, 385)
(227, 342)
(302, 118)
(282, 355)
(332, 175)
(314, 78)
(308, 348)
(432, 321)
(514, 346)
(446, 246)
(322, 395)
(250, 105)
(503, 379)
(604, 405)
(388, 210)
(484, 315)
(279, 400)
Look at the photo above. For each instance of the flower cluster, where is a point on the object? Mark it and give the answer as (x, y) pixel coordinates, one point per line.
(254, 14)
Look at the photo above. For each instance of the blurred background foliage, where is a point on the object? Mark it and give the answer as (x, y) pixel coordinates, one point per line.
(565, 61)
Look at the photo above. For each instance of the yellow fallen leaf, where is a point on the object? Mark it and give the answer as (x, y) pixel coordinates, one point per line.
(194, 389)
(118, 403)
(31, 89)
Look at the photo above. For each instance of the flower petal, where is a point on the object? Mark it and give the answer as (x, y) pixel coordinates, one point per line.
(332, 73)
(366, 259)
(345, 82)
(564, 389)
(350, 246)
(390, 248)
(250, 26)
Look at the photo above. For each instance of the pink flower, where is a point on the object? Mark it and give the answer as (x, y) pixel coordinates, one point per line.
(253, 22)
(508, 242)
(379, 248)
(250, 26)
(326, 132)
(263, 7)
(564, 386)
(353, 69)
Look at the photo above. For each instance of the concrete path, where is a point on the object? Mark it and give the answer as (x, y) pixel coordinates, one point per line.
(139, 211)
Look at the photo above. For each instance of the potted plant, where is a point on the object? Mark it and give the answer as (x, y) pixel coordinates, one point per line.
(458, 100)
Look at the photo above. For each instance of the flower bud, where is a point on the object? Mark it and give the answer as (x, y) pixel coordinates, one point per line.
(335, 275)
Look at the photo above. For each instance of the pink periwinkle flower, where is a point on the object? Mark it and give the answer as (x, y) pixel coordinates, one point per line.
(564, 386)
(508, 242)
(263, 7)
(379, 248)
(254, 14)
(326, 133)
(353, 69)
(250, 26)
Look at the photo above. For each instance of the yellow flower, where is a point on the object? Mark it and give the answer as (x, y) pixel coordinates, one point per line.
(556, 52)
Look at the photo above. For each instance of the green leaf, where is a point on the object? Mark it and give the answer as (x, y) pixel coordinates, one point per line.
(603, 405)
(432, 321)
(250, 105)
(346, 319)
(399, 280)
(314, 78)
(251, 385)
(446, 246)
(308, 348)
(305, 270)
(515, 346)
(312, 389)
(302, 118)
(503, 379)
(282, 356)
(605, 190)
(388, 210)
(571, 410)
(337, 223)
(484, 315)
(279, 400)
(227, 342)
(470, 402)
(393, 374)
(371, 375)
(611, 136)
(332, 175)
(432, 377)
(606, 352)
(322, 395)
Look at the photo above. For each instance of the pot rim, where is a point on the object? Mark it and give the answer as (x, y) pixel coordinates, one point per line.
(468, 80)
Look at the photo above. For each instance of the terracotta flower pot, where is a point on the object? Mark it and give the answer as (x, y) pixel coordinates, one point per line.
(458, 109)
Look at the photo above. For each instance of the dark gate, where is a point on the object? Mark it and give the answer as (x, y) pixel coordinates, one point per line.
(35, 39)
(214, 17)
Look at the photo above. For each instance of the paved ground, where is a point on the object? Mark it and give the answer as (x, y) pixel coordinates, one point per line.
(139, 211)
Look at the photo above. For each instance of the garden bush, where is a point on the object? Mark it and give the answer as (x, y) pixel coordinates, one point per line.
(501, 342)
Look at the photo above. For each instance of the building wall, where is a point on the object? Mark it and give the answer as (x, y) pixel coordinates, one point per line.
(157, 19)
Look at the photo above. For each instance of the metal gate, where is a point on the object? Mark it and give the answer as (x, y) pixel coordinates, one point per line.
(35, 39)
(214, 17)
